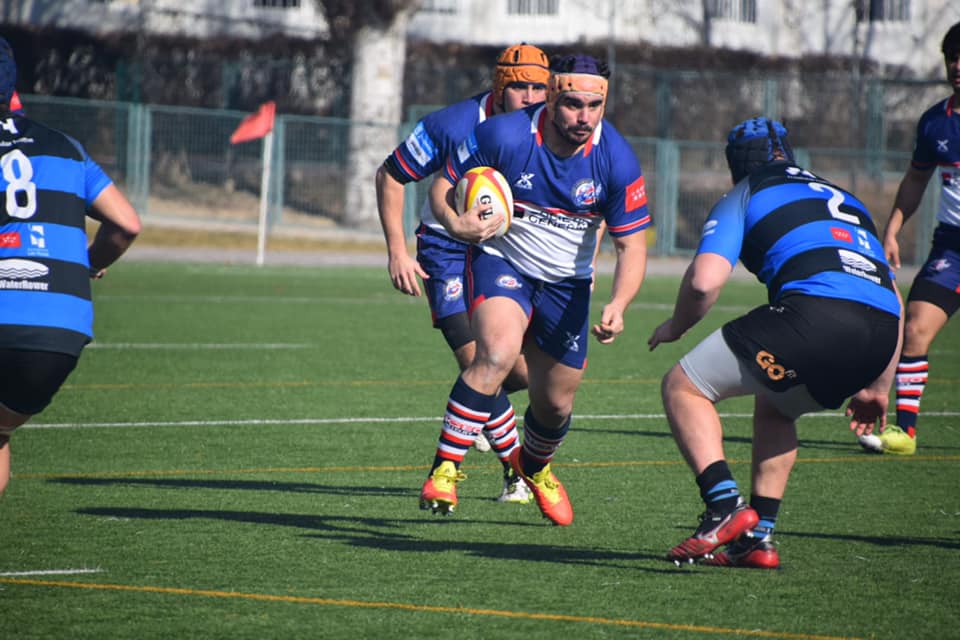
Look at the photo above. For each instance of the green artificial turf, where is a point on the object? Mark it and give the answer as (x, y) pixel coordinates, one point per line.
(240, 452)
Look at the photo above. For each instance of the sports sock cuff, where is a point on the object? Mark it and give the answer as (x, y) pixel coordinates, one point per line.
(463, 394)
(766, 508)
(713, 475)
(531, 423)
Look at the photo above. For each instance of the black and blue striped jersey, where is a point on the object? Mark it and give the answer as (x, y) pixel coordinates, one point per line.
(798, 233)
(47, 184)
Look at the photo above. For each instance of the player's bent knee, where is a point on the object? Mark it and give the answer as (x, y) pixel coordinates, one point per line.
(10, 420)
(674, 381)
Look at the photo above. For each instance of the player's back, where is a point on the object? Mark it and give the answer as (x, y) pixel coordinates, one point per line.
(805, 235)
(47, 183)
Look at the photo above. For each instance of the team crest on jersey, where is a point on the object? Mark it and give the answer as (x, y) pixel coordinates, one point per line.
(453, 289)
(507, 281)
(940, 265)
(586, 193)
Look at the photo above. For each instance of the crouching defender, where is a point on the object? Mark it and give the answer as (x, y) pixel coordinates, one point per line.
(830, 331)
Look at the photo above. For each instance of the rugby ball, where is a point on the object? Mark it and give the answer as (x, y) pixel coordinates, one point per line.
(487, 187)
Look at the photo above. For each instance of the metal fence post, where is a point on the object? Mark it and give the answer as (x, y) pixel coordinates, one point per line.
(876, 142)
(146, 128)
(279, 171)
(667, 196)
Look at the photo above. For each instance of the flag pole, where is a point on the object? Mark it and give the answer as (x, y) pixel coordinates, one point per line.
(264, 197)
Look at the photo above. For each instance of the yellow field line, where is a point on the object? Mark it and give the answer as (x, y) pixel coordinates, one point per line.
(477, 468)
(331, 602)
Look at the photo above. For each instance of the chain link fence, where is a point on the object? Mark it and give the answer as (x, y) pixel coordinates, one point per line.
(176, 163)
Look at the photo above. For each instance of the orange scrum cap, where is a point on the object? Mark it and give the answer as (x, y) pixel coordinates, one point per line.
(577, 73)
(520, 63)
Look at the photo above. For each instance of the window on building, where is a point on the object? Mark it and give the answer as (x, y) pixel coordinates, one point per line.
(533, 7)
(883, 10)
(440, 6)
(277, 4)
(736, 10)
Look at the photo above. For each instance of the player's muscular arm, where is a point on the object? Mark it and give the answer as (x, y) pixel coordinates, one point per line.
(627, 277)
(402, 267)
(119, 227)
(701, 286)
(905, 204)
(869, 406)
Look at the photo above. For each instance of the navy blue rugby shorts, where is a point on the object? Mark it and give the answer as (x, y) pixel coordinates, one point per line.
(938, 281)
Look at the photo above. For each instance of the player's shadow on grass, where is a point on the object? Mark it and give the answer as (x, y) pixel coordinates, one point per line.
(587, 556)
(334, 524)
(239, 485)
(849, 447)
(881, 541)
(382, 534)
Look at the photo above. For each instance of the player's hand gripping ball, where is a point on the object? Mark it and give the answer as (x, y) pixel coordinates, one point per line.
(487, 187)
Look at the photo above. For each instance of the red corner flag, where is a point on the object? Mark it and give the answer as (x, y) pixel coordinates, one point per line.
(256, 125)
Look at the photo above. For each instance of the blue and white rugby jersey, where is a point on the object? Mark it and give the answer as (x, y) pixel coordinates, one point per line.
(433, 139)
(938, 145)
(559, 203)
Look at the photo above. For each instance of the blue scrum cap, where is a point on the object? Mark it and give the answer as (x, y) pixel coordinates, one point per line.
(8, 71)
(753, 143)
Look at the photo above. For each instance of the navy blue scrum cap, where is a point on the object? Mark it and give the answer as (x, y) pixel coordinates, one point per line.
(8, 71)
(753, 143)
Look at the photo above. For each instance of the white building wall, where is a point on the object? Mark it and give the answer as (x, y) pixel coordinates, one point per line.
(787, 28)
(190, 18)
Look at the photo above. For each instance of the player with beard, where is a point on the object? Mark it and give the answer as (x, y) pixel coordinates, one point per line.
(529, 290)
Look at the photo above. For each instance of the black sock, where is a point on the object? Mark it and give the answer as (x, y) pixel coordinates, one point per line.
(718, 488)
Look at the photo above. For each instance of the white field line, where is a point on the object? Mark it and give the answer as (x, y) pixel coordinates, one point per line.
(271, 300)
(47, 572)
(375, 420)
